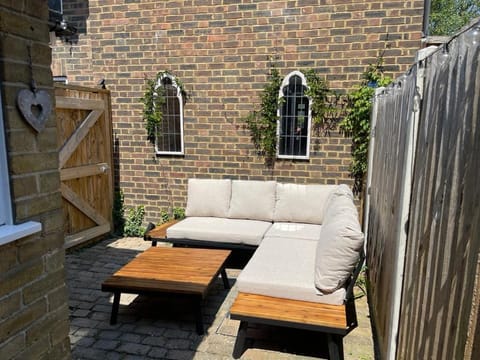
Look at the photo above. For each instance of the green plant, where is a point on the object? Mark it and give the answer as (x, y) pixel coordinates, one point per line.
(118, 213)
(356, 123)
(361, 283)
(154, 100)
(318, 92)
(177, 213)
(263, 123)
(133, 224)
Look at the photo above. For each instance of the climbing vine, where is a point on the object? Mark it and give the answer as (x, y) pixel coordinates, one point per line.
(263, 123)
(356, 123)
(153, 102)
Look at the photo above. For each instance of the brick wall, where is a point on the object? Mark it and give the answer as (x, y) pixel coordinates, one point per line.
(220, 50)
(33, 296)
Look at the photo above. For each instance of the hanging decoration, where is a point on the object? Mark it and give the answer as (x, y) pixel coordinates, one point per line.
(34, 105)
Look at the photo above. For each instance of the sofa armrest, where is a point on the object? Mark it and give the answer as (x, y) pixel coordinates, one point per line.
(157, 233)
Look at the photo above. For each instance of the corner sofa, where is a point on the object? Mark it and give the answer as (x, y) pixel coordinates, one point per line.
(307, 240)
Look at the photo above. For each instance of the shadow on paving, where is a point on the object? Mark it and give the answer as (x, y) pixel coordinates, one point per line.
(151, 327)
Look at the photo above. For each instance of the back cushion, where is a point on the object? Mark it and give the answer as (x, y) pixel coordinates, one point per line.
(252, 200)
(301, 203)
(208, 197)
(341, 240)
(338, 251)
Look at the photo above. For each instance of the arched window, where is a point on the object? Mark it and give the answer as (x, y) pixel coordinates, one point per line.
(294, 115)
(169, 139)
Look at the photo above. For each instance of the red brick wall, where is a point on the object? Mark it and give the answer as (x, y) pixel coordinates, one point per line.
(220, 50)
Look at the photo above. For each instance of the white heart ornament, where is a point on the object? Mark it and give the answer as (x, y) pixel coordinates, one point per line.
(28, 100)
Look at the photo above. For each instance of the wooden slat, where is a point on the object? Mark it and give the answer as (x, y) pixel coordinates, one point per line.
(72, 143)
(63, 102)
(84, 207)
(160, 231)
(177, 270)
(83, 171)
(82, 236)
(292, 311)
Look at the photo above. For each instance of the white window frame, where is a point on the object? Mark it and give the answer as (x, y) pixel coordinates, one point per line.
(309, 117)
(8, 231)
(180, 100)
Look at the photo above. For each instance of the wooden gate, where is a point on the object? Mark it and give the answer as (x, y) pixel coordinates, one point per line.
(85, 161)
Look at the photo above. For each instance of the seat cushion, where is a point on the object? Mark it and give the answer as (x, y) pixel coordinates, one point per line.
(295, 230)
(301, 203)
(208, 197)
(236, 231)
(284, 268)
(252, 200)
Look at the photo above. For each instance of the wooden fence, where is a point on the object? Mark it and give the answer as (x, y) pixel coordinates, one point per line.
(423, 207)
(85, 161)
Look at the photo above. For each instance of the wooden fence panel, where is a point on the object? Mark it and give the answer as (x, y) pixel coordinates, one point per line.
(388, 177)
(443, 239)
(85, 160)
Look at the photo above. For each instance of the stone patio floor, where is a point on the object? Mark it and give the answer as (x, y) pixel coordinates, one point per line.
(156, 328)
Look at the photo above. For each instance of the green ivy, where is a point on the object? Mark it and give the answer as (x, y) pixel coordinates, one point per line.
(318, 92)
(133, 224)
(263, 123)
(356, 123)
(153, 102)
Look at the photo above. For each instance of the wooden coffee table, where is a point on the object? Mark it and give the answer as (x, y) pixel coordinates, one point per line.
(164, 270)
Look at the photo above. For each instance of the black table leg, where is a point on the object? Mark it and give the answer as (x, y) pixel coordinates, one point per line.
(199, 316)
(116, 303)
(226, 284)
(240, 342)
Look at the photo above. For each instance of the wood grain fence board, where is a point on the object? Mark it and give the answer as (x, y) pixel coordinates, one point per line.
(72, 143)
(394, 113)
(442, 251)
(85, 141)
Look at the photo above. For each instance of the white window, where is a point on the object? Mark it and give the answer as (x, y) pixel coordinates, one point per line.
(294, 114)
(8, 231)
(169, 139)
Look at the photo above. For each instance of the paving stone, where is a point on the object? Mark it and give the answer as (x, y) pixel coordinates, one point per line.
(182, 344)
(154, 341)
(134, 338)
(179, 334)
(109, 334)
(158, 353)
(106, 344)
(133, 348)
(180, 354)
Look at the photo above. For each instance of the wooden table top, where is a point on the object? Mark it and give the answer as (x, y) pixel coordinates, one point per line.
(172, 270)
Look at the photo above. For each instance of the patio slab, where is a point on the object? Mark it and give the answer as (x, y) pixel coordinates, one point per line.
(164, 328)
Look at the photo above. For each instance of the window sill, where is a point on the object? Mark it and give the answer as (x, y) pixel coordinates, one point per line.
(9, 233)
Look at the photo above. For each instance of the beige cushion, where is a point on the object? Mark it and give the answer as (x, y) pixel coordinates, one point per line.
(236, 231)
(337, 252)
(295, 230)
(252, 200)
(301, 203)
(339, 201)
(283, 268)
(208, 197)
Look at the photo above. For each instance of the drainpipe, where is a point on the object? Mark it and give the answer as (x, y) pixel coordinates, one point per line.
(426, 16)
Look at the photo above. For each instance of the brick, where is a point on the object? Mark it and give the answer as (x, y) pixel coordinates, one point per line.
(10, 349)
(19, 276)
(22, 319)
(41, 286)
